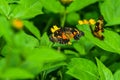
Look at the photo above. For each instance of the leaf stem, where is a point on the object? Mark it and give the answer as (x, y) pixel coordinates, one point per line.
(43, 75)
(63, 18)
(48, 24)
(59, 49)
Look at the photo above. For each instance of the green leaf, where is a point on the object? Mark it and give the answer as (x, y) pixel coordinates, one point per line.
(0, 34)
(5, 29)
(72, 18)
(2, 65)
(32, 29)
(42, 56)
(51, 67)
(80, 48)
(90, 14)
(82, 69)
(23, 40)
(45, 40)
(115, 66)
(27, 9)
(70, 52)
(13, 58)
(86, 44)
(79, 4)
(117, 75)
(53, 5)
(110, 9)
(104, 72)
(22, 43)
(12, 1)
(12, 4)
(45, 55)
(4, 8)
(16, 73)
(110, 43)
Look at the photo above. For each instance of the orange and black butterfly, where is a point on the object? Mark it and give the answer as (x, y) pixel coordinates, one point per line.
(98, 30)
(63, 35)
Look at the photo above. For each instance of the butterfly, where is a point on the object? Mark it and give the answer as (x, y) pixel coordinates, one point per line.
(63, 35)
(98, 30)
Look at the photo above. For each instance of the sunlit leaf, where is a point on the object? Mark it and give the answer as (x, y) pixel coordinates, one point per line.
(5, 29)
(40, 57)
(46, 54)
(82, 69)
(70, 52)
(16, 73)
(24, 40)
(53, 5)
(12, 1)
(86, 44)
(104, 72)
(110, 43)
(32, 29)
(27, 9)
(117, 75)
(110, 9)
(79, 4)
(4, 8)
(72, 18)
(80, 48)
(2, 65)
(53, 66)
(45, 40)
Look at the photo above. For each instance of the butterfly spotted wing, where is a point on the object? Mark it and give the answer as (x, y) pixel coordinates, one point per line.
(98, 30)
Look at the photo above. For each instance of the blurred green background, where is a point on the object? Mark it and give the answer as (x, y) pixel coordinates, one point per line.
(26, 53)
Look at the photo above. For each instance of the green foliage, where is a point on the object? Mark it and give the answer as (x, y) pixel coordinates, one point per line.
(42, 60)
(17, 73)
(79, 4)
(110, 10)
(27, 9)
(32, 29)
(82, 69)
(5, 29)
(26, 52)
(104, 72)
(110, 43)
(45, 40)
(117, 75)
(4, 8)
(72, 18)
(80, 48)
(53, 6)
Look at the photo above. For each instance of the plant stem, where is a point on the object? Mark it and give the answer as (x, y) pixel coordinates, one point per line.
(63, 18)
(37, 78)
(43, 75)
(60, 74)
(59, 49)
(48, 24)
